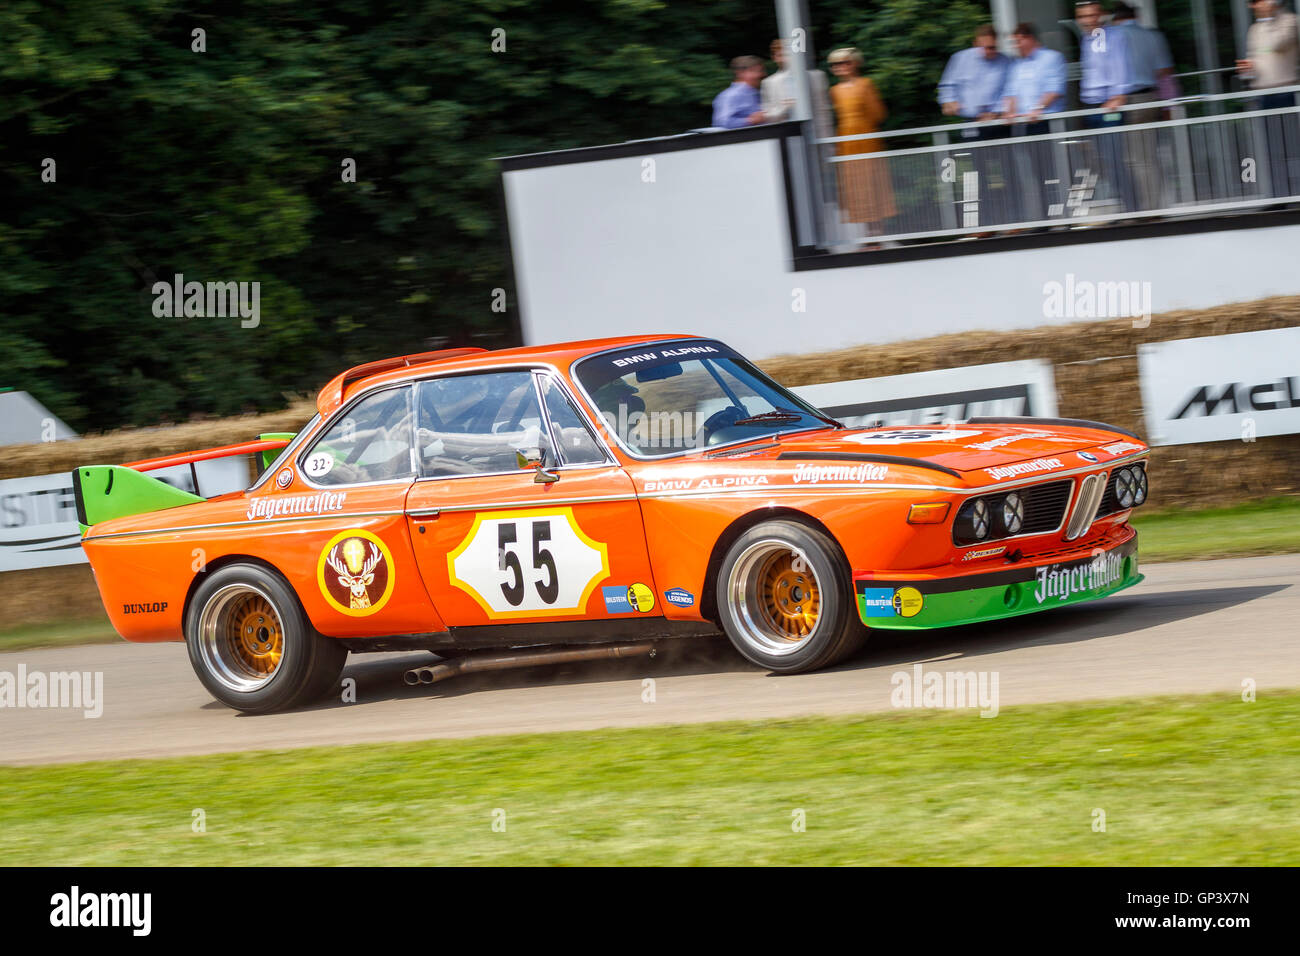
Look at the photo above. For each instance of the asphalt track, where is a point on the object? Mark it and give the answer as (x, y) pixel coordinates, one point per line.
(1191, 627)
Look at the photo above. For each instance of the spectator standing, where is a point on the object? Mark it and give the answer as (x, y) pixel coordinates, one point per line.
(1104, 82)
(1271, 62)
(1035, 88)
(866, 195)
(778, 93)
(740, 105)
(971, 88)
(1148, 57)
(1270, 53)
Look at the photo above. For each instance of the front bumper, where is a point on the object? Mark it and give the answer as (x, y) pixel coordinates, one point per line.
(905, 601)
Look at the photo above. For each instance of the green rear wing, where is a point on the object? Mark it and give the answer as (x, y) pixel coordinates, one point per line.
(104, 492)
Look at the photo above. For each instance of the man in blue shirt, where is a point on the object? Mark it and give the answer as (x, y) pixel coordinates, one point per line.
(1035, 88)
(1148, 58)
(740, 104)
(972, 82)
(971, 88)
(1105, 78)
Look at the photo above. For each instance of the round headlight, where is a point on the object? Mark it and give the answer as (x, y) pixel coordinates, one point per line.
(979, 520)
(1013, 513)
(1139, 485)
(1125, 487)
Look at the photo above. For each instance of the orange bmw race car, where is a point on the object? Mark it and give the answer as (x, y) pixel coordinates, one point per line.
(587, 494)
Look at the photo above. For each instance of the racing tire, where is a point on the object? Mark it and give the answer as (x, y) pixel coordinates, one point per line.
(785, 598)
(251, 645)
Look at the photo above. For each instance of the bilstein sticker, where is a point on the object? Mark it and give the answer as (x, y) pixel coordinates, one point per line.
(878, 602)
(628, 600)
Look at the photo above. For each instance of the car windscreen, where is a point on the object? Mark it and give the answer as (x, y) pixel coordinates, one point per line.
(669, 398)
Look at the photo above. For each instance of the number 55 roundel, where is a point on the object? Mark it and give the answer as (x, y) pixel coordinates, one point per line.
(528, 563)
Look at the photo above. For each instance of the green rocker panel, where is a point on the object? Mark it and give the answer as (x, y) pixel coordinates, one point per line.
(1007, 592)
(115, 491)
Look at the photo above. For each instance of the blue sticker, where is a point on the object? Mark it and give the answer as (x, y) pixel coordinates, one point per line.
(878, 602)
(616, 601)
(679, 597)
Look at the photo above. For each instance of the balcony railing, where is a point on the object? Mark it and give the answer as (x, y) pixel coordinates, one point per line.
(1191, 156)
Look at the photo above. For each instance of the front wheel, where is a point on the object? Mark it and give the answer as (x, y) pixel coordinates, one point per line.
(252, 646)
(785, 598)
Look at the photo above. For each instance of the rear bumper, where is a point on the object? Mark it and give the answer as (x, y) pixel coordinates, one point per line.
(908, 601)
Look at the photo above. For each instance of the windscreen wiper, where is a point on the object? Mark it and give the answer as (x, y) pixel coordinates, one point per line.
(785, 415)
(777, 415)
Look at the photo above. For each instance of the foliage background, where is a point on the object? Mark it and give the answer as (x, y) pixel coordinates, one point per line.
(225, 166)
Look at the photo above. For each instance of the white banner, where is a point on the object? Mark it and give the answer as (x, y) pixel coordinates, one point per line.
(931, 398)
(1221, 387)
(38, 523)
(38, 516)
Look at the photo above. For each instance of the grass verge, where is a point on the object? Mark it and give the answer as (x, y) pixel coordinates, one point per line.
(1269, 526)
(57, 633)
(1181, 780)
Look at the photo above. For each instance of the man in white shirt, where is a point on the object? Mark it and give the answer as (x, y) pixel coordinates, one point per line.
(1270, 62)
(778, 93)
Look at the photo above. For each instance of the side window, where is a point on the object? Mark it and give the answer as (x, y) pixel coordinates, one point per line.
(576, 444)
(371, 442)
(475, 424)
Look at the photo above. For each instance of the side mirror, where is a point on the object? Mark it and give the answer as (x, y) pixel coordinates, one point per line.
(540, 460)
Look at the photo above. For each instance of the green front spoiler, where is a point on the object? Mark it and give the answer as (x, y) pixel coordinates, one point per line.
(1007, 592)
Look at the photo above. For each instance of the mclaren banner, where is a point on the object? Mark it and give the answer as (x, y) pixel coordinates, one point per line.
(932, 398)
(1221, 387)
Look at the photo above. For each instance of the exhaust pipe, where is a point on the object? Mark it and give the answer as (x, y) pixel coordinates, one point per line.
(434, 673)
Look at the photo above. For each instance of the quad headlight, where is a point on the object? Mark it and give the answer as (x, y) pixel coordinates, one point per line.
(1013, 514)
(974, 521)
(1130, 486)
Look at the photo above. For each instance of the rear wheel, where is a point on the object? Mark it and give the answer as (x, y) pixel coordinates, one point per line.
(252, 646)
(785, 598)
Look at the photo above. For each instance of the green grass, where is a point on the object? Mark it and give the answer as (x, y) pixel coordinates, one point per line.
(80, 631)
(1187, 780)
(1268, 526)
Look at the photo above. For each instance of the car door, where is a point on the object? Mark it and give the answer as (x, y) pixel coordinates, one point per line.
(334, 521)
(498, 542)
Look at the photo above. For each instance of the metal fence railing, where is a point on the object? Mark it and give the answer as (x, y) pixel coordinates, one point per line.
(1198, 155)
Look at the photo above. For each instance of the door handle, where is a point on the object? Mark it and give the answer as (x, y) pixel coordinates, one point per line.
(429, 514)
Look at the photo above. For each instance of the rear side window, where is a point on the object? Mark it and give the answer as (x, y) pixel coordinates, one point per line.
(372, 442)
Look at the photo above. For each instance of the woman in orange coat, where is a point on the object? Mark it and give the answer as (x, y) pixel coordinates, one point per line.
(865, 192)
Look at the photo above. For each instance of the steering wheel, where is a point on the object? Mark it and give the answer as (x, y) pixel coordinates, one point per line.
(718, 421)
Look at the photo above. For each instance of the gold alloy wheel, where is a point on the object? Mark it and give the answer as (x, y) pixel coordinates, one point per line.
(776, 596)
(791, 595)
(255, 634)
(241, 637)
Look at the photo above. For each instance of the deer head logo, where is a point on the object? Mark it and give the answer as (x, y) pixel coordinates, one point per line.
(355, 568)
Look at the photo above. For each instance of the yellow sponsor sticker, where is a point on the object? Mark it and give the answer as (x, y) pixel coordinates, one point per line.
(641, 597)
(908, 602)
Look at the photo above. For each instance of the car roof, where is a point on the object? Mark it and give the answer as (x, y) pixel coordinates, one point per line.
(399, 368)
